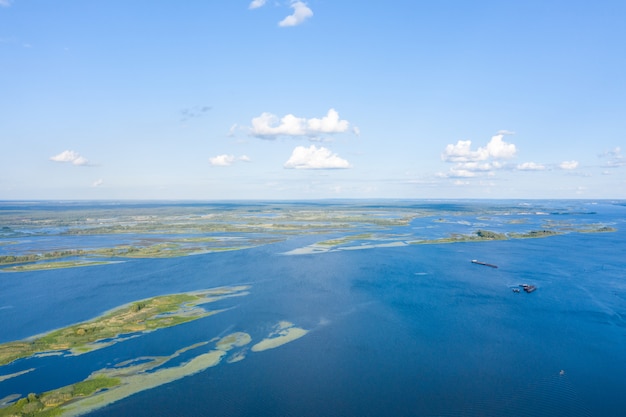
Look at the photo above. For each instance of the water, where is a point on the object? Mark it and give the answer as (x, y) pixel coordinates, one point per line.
(415, 330)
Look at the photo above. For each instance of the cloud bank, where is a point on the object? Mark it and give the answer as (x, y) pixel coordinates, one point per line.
(300, 13)
(269, 126)
(315, 158)
(70, 157)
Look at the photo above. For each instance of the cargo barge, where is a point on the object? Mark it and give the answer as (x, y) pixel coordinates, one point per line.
(474, 261)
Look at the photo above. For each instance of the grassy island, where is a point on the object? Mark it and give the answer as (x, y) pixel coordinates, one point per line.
(140, 316)
(46, 404)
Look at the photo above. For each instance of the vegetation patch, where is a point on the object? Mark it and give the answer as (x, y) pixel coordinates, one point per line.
(140, 316)
(48, 403)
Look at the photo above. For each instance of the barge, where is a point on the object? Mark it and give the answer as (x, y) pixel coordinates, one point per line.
(474, 261)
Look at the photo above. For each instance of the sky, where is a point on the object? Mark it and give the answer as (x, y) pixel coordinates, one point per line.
(280, 100)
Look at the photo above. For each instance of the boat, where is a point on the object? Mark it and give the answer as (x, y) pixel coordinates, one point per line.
(528, 288)
(474, 261)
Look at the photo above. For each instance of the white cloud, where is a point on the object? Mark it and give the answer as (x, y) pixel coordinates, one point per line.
(255, 4)
(505, 132)
(222, 160)
(568, 165)
(483, 160)
(477, 166)
(462, 152)
(70, 157)
(269, 126)
(328, 124)
(300, 13)
(530, 166)
(499, 149)
(228, 160)
(461, 173)
(97, 183)
(315, 158)
(5, 3)
(356, 131)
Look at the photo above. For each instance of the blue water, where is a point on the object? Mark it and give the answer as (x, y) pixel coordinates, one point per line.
(415, 330)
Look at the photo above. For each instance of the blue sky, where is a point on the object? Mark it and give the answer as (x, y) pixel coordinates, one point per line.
(318, 99)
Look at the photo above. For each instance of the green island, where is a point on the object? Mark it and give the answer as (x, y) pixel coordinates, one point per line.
(390, 240)
(42, 261)
(140, 316)
(47, 404)
(487, 235)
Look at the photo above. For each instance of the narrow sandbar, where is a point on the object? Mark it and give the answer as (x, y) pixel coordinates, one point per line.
(285, 332)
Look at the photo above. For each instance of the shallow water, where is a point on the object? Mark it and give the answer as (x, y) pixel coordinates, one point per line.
(415, 330)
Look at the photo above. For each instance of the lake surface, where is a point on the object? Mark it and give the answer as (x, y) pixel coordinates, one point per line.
(410, 330)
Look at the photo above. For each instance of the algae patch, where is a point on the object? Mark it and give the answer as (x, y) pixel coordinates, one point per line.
(284, 332)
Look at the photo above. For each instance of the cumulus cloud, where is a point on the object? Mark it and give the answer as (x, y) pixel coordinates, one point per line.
(568, 165)
(97, 183)
(269, 126)
(70, 157)
(315, 158)
(530, 166)
(301, 12)
(255, 4)
(468, 162)
(222, 160)
(497, 148)
(227, 160)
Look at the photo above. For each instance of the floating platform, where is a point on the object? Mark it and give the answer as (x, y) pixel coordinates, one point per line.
(474, 261)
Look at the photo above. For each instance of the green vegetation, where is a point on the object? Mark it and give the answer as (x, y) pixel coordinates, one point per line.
(48, 403)
(89, 386)
(488, 235)
(482, 235)
(52, 265)
(35, 257)
(534, 234)
(600, 229)
(141, 316)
